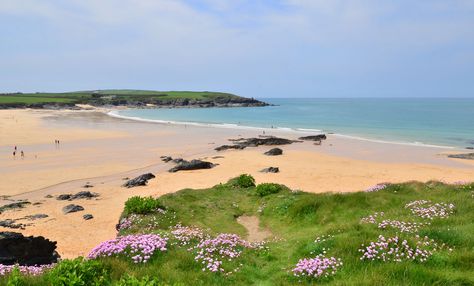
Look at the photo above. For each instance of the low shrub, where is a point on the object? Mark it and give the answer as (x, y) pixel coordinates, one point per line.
(79, 272)
(243, 181)
(266, 189)
(139, 205)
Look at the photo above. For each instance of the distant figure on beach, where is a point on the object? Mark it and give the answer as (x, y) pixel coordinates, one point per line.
(15, 147)
(22, 154)
(14, 153)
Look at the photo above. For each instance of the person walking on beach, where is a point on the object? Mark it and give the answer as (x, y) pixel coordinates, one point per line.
(22, 154)
(15, 147)
(14, 154)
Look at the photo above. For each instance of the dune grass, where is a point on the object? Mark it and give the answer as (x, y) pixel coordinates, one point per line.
(296, 219)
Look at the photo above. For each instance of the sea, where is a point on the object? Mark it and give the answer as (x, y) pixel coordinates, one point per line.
(439, 122)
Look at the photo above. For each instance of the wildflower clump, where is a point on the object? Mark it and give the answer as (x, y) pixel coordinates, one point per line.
(372, 218)
(186, 234)
(139, 248)
(319, 266)
(27, 270)
(213, 252)
(428, 210)
(376, 188)
(398, 250)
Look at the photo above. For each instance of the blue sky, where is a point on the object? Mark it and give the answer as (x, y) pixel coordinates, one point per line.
(255, 48)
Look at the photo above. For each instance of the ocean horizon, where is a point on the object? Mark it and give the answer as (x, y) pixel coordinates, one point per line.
(439, 122)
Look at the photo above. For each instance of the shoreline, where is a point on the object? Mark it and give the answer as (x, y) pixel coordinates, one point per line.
(102, 150)
(302, 131)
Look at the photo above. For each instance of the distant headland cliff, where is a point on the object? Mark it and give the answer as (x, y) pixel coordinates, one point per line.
(125, 97)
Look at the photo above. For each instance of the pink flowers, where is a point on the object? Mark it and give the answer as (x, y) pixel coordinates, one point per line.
(140, 248)
(402, 225)
(29, 270)
(225, 247)
(376, 188)
(320, 266)
(427, 209)
(185, 234)
(398, 250)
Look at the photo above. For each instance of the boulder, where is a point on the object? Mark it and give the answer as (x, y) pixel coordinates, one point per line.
(318, 137)
(227, 147)
(87, 216)
(18, 249)
(274, 152)
(191, 165)
(36, 216)
(141, 180)
(270, 170)
(178, 160)
(64, 197)
(72, 208)
(470, 148)
(467, 156)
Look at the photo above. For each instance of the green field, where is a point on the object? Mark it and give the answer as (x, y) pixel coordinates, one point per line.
(113, 97)
(296, 219)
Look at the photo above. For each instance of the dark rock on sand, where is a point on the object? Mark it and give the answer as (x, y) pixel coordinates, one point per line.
(274, 152)
(10, 223)
(166, 159)
(72, 209)
(318, 137)
(178, 160)
(87, 216)
(36, 216)
(270, 170)
(18, 249)
(77, 196)
(242, 143)
(467, 156)
(12, 206)
(191, 165)
(48, 196)
(141, 180)
(88, 185)
(470, 148)
(227, 147)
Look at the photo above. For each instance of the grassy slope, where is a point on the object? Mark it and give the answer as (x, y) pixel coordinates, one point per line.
(298, 218)
(84, 96)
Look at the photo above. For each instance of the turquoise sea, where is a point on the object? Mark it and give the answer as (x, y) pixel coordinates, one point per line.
(430, 121)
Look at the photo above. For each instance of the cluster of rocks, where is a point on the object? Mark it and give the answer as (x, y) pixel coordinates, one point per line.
(72, 208)
(12, 223)
(167, 159)
(243, 143)
(77, 196)
(318, 137)
(467, 156)
(18, 249)
(141, 180)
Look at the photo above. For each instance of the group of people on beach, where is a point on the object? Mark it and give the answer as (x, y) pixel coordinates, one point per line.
(15, 149)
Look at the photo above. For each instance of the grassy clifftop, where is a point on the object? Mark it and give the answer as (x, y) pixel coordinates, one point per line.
(134, 98)
(400, 234)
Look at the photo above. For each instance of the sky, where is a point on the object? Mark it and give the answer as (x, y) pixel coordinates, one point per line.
(253, 48)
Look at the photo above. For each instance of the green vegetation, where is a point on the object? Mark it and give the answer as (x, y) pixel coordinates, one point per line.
(139, 205)
(79, 272)
(243, 181)
(266, 189)
(299, 221)
(122, 97)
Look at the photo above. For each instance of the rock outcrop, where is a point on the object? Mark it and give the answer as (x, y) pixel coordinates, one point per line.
(274, 152)
(72, 209)
(191, 165)
(141, 180)
(18, 249)
(15, 205)
(243, 143)
(79, 195)
(318, 137)
(467, 156)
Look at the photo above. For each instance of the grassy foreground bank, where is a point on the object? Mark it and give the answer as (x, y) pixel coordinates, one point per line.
(303, 225)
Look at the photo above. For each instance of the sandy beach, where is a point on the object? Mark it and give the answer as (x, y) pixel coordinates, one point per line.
(101, 150)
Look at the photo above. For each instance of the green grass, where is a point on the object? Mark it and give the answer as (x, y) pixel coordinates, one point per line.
(112, 96)
(296, 219)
